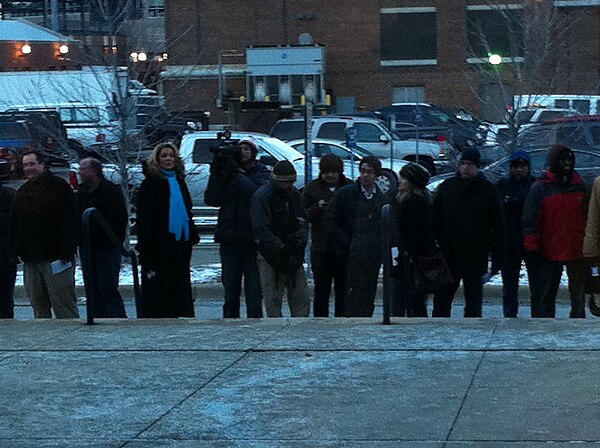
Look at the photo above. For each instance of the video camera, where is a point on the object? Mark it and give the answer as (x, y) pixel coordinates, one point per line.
(226, 154)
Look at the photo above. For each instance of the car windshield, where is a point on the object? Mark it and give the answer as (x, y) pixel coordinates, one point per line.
(288, 130)
(13, 131)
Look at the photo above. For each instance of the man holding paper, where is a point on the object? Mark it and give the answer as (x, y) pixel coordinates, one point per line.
(43, 226)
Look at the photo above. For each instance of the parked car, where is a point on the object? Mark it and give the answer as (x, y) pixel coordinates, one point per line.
(434, 123)
(577, 131)
(48, 134)
(388, 181)
(372, 135)
(587, 164)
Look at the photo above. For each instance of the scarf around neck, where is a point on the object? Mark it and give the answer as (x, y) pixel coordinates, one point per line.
(178, 217)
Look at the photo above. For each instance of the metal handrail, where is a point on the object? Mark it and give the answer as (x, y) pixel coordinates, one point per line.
(88, 261)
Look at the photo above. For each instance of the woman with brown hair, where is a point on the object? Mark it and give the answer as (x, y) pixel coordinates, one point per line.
(166, 234)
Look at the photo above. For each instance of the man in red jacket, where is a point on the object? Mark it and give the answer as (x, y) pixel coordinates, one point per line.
(553, 227)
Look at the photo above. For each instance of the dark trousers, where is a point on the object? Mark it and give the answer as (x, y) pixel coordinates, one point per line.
(361, 285)
(548, 282)
(405, 303)
(8, 275)
(473, 291)
(106, 299)
(237, 261)
(167, 290)
(511, 269)
(328, 267)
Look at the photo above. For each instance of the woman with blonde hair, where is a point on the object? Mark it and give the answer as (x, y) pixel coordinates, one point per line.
(166, 234)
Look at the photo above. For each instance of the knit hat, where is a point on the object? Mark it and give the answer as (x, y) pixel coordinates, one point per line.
(555, 152)
(283, 171)
(520, 156)
(331, 163)
(251, 142)
(5, 168)
(415, 174)
(471, 155)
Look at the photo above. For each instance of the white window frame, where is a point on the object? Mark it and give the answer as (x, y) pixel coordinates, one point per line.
(575, 3)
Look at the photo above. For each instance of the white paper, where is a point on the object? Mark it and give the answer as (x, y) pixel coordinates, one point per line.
(56, 267)
(395, 253)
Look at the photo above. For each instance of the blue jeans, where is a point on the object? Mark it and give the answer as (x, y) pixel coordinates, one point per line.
(239, 260)
(8, 275)
(106, 299)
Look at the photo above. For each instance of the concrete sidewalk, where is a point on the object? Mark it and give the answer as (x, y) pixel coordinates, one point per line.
(300, 383)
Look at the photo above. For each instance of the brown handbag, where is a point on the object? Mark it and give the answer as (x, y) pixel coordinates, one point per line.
(430, 274)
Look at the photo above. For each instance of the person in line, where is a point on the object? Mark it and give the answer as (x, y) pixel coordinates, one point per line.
(469, 226)
(95, 191)
(412, 214)
(281, 230)
(327, 266)
(8, 261)
(513, 190)
(166, 234)
(232, 181)
(43, 228)
(357, 235)
(554, 220)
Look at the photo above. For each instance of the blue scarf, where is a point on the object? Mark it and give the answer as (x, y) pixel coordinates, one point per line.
(178, 217)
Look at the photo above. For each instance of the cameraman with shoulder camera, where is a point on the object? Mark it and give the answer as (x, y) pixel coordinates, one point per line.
(234, 176)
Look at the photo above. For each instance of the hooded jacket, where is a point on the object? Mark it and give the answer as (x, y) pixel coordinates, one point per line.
(513, 193)
(555, 213)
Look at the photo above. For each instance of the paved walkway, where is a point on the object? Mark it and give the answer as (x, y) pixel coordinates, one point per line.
(300, 383)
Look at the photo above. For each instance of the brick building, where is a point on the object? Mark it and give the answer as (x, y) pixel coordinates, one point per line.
(24, 46)
(380, 51)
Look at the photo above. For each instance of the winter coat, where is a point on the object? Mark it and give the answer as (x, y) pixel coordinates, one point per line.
(153, 219)
(469, 224)
(513, 193)
(357, 221)
(280, 227)
(554, 217)
(7, 198)
(233, 195)
(43, 223)
(108, 199)
(320, 219)
(591, 241)
(415, 229)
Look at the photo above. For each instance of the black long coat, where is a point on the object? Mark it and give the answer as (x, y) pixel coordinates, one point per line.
(166, 284)
(469, 224)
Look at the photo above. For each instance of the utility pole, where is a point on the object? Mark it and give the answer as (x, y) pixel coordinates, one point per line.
(54, 15)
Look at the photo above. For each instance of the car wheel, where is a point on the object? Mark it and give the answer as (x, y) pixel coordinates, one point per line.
(387, 182)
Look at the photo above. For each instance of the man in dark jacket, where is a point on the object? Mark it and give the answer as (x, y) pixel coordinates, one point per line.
(327, 266)
(103, 274)
(469, 225)
(280, 227)
(513, 191)
(230, 186)
(8, 262)
(43, 227)
(554, 227)
(357, 235)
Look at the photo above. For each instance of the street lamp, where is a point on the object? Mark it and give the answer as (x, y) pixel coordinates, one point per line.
(63, 49)
(26, 49)
(494, 59)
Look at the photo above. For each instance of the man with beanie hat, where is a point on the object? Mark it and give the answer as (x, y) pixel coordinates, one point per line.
(281, 230)
(469, 225)
(233, 179)
(513, 190)
(554, 227)
(357, 235)
(325, 261)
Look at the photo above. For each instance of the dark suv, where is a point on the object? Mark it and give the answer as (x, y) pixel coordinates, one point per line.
(575, 132)
(46, 132)
(433, 123)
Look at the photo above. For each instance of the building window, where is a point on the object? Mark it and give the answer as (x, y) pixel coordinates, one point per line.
(155, 8)
(408, 36)
(495, 29)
